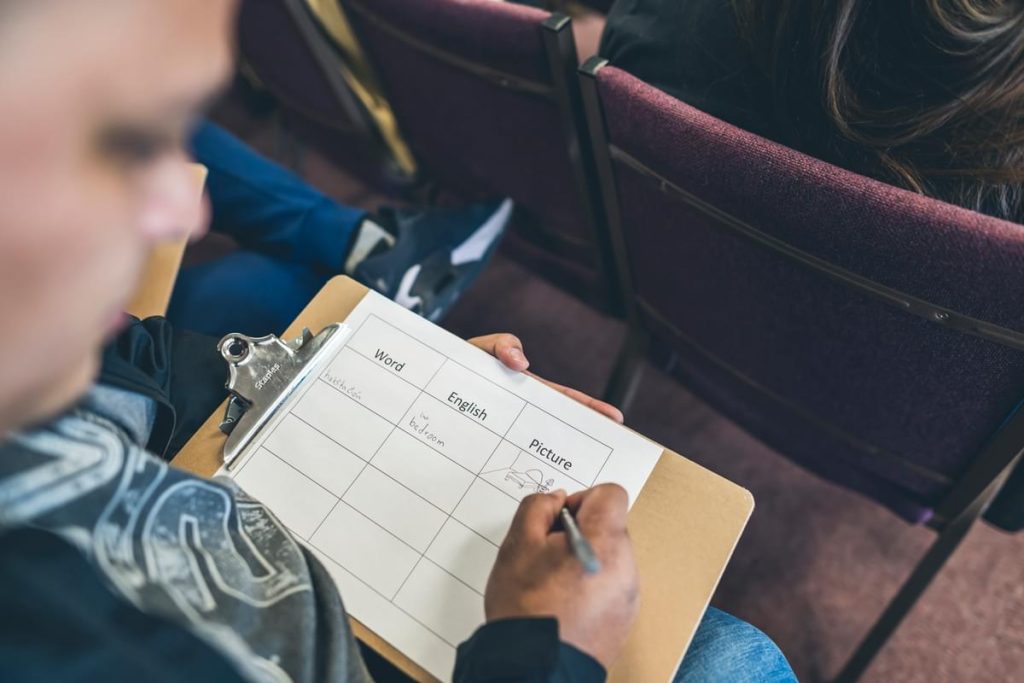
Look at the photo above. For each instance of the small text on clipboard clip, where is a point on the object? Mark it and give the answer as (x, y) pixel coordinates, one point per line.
(262, 373)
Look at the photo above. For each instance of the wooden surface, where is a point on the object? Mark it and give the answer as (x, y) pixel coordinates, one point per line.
(161, 270)
(684, 526)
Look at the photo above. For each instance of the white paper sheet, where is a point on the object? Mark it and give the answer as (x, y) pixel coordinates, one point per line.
(402, 463)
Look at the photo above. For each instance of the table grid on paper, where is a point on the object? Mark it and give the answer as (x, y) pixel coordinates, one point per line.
(405, 468)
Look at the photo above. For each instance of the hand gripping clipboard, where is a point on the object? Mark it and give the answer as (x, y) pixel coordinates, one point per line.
(684, 527)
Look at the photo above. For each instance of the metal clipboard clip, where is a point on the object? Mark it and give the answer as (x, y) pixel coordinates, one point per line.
(262, 373)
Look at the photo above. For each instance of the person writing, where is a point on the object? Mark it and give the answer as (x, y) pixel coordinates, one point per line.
(113, 565)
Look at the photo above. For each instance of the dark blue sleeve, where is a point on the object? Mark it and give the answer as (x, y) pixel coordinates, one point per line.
(523, 651)
(60, 624)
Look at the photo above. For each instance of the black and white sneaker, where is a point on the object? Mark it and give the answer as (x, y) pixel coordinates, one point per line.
(437, 254)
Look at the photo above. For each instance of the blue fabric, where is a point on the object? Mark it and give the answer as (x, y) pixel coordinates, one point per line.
(245, 292)
(727, 650)
(292, 237)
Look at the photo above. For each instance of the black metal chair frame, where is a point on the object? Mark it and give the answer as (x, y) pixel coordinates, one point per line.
(331, 66)
(357, 122)
(560, 47)
(969, 494)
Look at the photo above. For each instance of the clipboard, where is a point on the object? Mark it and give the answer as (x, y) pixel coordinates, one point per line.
(684, 525)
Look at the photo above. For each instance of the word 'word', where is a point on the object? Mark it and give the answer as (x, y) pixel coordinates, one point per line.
(385, 358)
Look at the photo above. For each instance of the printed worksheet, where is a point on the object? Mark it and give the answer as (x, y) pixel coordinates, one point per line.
(401, 462)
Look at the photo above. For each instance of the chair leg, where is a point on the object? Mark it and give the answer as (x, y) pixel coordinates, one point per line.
(910, 591)
(626, 374)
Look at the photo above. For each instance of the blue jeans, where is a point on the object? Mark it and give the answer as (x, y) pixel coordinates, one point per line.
(293, 238)
(727, 650)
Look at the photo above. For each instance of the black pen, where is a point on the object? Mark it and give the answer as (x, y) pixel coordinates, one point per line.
(579, 544)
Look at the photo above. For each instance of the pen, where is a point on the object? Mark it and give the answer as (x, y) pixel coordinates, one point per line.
(579, 544)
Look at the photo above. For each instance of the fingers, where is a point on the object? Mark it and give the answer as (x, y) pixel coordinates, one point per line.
(505, 347)
(535, 517)
(509, 350)
(601, 509)
(606, 409)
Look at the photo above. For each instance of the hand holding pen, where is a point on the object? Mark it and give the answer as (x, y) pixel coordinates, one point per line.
(541, 571)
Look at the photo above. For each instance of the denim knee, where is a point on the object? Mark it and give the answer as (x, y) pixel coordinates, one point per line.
(242, 292)
(726, 649)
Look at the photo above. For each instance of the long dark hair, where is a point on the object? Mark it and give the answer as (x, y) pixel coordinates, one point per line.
(925, 94)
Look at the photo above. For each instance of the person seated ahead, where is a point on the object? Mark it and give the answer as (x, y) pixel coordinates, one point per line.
(928, 96)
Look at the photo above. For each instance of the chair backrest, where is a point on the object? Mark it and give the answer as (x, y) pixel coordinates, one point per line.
(279, 43)
(295, 50)
(869, 333)
(486, 95)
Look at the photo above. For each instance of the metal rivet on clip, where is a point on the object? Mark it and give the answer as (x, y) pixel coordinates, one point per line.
(236, 349)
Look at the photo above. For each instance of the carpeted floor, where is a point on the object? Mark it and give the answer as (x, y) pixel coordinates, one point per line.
(817, 563)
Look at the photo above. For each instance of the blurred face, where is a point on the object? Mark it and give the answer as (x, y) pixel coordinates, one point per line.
(96, 97)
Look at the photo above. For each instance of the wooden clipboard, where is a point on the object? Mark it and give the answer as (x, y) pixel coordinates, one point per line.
(685, 526)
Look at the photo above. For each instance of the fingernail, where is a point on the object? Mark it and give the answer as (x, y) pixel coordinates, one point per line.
(515, 354)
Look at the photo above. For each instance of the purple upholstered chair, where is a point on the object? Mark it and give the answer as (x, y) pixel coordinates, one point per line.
(486, 95)
(290, 52)
(868, 333)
